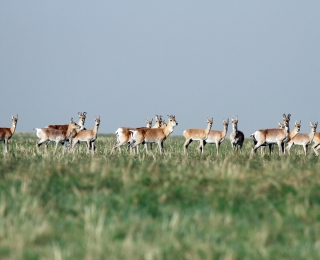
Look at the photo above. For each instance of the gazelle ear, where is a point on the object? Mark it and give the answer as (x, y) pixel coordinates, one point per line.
(279, 123)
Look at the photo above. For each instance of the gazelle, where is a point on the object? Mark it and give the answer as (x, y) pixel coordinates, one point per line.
(55, 135)
(82, 118)
(271, 136)
(217, 137)
(6, 133)
(88, 136)
(316, 143)
(153, 135)
(157, 124)
(196, 135)
(303, 139)
(236, 136)
(124, 135)
(292, 134)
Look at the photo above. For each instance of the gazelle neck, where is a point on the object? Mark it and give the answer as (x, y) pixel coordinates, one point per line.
(13, 127)
(225, 130)
(234, 127)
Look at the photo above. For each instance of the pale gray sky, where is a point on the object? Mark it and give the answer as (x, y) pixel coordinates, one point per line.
(128, 60)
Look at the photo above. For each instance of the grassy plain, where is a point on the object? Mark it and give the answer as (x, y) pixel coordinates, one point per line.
(171, 206)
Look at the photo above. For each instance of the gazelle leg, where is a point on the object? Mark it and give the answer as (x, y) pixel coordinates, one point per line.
(315, 147)
(186, 144)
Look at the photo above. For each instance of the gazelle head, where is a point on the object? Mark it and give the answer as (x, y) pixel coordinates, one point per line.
(172, 121)
(159, 121)
(149, 122)
(234, 121)
(14, 120)
(97, 121)
(286, 119)
(82, 118)
(225, 123)
(297, 125)
(313, 127)
(281, 126)
(209, 122)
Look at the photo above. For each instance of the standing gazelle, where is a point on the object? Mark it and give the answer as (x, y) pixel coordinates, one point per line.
(6, 133)
(196, 135)
(236, 136)
(55, 135)
(153, 135)
(292, 134)
(82, 118)
(217, 137)
(88, 136)
(316, 143)
(303, 139)
(124, 135)
(271, 136)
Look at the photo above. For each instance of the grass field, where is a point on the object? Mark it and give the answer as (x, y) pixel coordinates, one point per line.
(171, 206)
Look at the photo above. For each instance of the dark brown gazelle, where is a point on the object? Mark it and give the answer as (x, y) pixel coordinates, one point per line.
(236, 136)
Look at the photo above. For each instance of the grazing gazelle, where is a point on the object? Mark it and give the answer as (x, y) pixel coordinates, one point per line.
(292, 134)
(124, 135)
(217, 137)
(153, 135)
(236, 136)
(55, 135)
(265, 137)
(88, 136)
(316, 143)
(6, 133)
(303, 139)
(196, 135)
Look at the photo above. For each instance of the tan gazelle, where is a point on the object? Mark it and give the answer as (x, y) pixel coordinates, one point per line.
(216, 136)
(124, 135)
(88, 136)
(236, 136)
(303, 139)
(153, 135)
(196, 135)
(265, 137)
(157, 124)
(316, 143)
(55, 135)
(6, 133)
(292, 134)
(82, 118)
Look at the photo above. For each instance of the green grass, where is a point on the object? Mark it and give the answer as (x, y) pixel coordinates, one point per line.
(171, 206)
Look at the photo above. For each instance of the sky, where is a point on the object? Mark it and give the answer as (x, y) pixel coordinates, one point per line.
(126, 61)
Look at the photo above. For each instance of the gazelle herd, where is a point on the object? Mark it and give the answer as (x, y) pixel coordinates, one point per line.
(74, 133)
